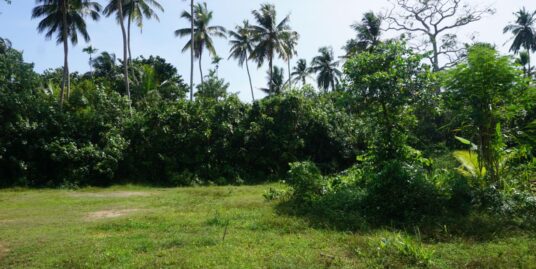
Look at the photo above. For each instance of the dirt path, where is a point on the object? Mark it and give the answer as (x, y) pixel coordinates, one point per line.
(3, 251)
(107, 214)
(117, 194)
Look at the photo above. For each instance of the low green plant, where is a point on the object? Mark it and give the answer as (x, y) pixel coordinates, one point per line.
(275, 194)
(398, 250)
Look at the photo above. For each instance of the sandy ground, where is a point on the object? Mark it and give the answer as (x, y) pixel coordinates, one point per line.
(107, 214)
(3, 250)
(117, 194)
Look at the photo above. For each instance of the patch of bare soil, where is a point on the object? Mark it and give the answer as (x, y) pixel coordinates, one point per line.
(3, 251)
(117, 194)
(107, 214)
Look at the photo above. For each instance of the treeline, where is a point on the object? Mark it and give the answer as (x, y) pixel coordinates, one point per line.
(163, 139)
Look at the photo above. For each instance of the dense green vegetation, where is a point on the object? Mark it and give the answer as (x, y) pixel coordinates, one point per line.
(438, 149)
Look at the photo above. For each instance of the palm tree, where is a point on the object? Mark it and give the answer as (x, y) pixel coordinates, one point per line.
(523, 61)
(117, 6)
(524, 33)
(327, 69)
(301, 71)
(5, 44)
(105, 65)
(269, 36)
(65, 18)
(135, 10)
(291, 41)
(276, 82)
(90, 50)
(368, 34)
(192, 54)
(216, 60)
(242, 47)
(203, 33)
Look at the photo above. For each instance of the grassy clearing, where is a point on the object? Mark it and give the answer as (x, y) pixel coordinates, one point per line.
(137, 227)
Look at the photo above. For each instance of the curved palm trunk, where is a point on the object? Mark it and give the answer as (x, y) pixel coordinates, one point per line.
(125, 49)
(128, 38)
(192, 46)
(289, 75)
(201, 67)
(249, 76)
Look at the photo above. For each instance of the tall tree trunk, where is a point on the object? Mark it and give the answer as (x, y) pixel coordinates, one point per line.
(529, 72)
(192, 47)
(271, 72)
(250, 83)
(128, 38)
(66, 79)
(289, 75)
(435, 62)
(125, 52)
(201, 67)
(91, 66)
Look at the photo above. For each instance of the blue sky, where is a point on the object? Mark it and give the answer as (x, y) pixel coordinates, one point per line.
(319, 22)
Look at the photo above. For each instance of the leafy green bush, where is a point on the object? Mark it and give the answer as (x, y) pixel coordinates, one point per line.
(306, 181)
(400, 250)
(399, 194)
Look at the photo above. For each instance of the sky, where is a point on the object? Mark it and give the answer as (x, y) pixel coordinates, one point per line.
(319, 23)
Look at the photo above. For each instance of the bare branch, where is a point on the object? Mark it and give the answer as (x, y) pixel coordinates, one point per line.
(433, 18)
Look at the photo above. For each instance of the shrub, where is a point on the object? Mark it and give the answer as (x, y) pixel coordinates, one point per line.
(400, 194)
(306, 181)
(401, 250)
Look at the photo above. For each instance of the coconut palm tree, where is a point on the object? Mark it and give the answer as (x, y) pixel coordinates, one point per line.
(105, 65)
(135, 10)
(203, 33)
(276, 81)
(192, 53)
(368, 34)
(216, 60)
(301, 72)
(523, 61)
(118, 7)
(291, 41)
(269, 36)
(90, 50)
(65, 19)
(524, 33)
(242, 47)
(326, 68)
(5, 44)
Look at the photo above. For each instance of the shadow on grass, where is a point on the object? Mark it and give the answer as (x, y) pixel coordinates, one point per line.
(474, 226)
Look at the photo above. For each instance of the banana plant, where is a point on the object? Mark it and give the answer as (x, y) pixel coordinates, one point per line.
(471, 165)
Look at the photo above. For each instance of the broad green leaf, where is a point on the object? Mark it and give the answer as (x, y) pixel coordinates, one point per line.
(463, 140)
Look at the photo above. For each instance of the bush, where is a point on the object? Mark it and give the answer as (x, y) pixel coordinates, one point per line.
(401, 250)
(306, 181)
(400, 194)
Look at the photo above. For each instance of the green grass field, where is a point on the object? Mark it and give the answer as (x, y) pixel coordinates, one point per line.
(138, 227)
